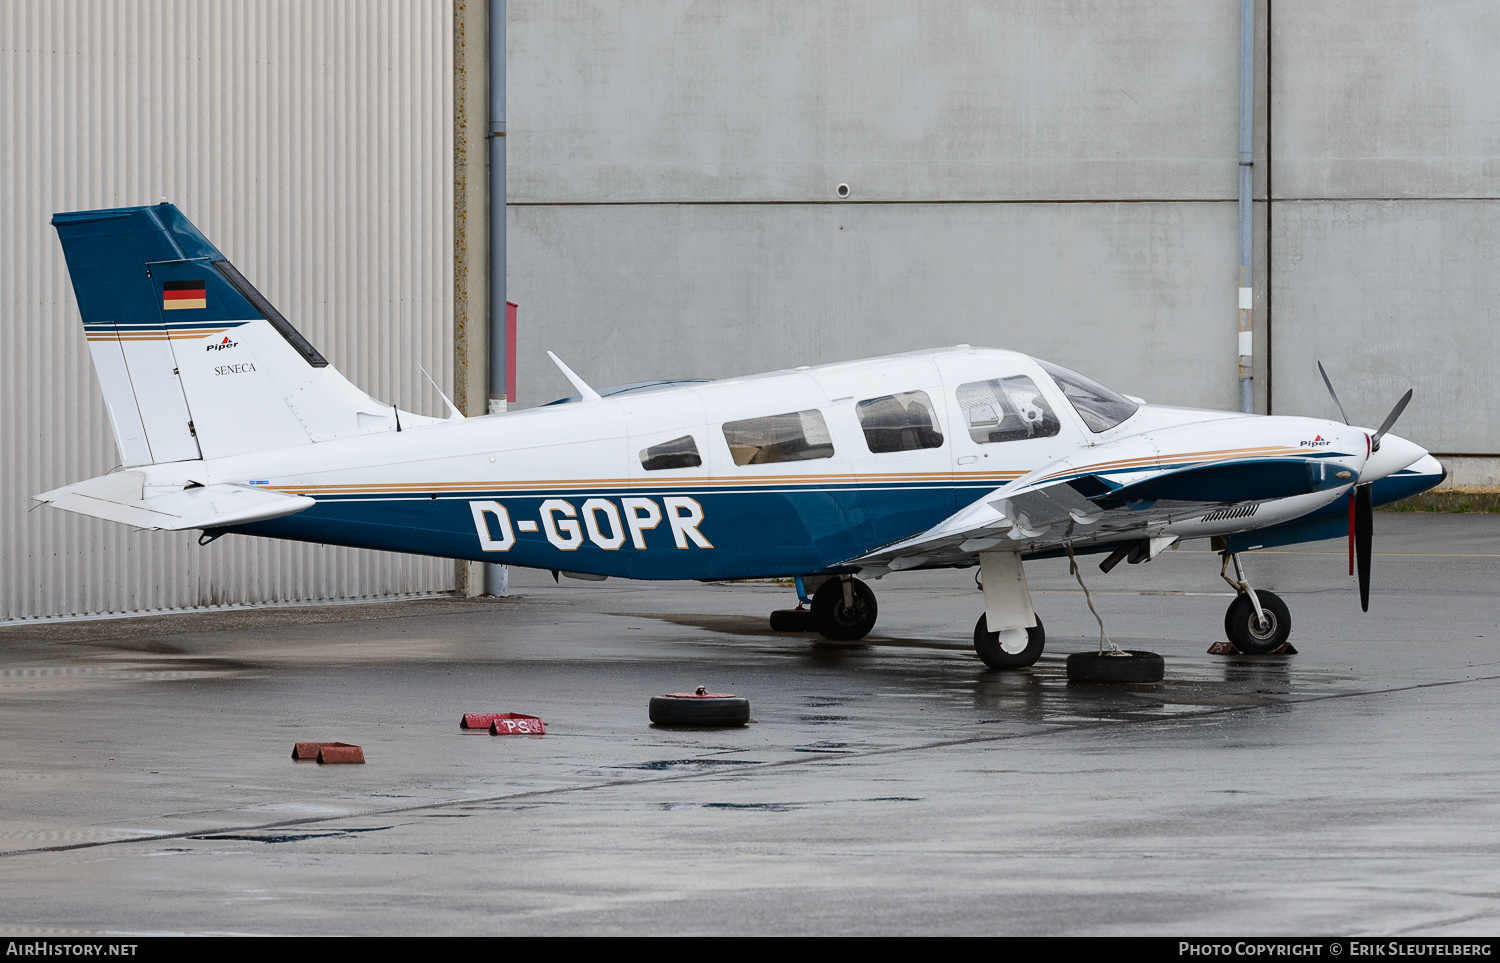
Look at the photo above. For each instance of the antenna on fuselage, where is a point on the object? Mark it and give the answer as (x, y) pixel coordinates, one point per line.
(453, 413)
(589, 394)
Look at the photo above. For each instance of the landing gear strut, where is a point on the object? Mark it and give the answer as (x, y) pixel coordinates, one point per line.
(1007, 597)
(1258, 622)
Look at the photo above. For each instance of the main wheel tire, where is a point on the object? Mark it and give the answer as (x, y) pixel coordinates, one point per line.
(1011, 652)
(714, 710)
(792, 620)
(1130, 667)
(1251, 638)
(839, 622)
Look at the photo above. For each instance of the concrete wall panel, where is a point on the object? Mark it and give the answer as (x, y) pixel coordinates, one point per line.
(905, 100)
(1391, 295)
(1386, 98)
(1139, 295)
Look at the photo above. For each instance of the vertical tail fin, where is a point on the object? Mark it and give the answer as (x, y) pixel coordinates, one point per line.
(194, 362)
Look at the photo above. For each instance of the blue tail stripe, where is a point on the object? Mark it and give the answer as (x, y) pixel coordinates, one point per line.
(119, 258)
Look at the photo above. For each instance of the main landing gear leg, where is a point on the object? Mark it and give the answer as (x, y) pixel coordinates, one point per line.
(1258, 622)
(844, 609)
(1020, 639)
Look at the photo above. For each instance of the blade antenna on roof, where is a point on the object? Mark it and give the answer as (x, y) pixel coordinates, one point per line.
(589, 394)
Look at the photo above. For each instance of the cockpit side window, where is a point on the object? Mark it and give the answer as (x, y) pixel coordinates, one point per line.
(677, 453)
(1099, 407)
(795, 436)
(1006, 409)
(901, 422)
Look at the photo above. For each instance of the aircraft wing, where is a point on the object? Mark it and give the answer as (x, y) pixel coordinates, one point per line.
(1092, 501)
(120, 497)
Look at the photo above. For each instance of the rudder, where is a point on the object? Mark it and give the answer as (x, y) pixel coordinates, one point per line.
(192, 359)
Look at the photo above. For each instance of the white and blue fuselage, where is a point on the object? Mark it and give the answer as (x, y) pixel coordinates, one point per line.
(228, 421)
(567, 487)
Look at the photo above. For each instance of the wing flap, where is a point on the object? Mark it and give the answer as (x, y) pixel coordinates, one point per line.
(119, 498)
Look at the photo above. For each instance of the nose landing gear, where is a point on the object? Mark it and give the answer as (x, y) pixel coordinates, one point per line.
(1258, 622)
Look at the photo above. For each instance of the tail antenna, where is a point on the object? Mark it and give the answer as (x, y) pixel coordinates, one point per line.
(453, 413)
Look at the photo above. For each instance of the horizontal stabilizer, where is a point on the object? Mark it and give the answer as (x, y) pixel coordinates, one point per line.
(119, 498)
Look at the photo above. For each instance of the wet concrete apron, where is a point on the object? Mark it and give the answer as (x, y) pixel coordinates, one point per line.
(897, 786)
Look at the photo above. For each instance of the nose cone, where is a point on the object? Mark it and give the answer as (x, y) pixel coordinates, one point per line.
(1395, 454)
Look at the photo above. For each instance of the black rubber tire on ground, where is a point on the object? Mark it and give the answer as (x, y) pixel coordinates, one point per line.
(700, 712)
(1240, 624)
(792, 620)
(987, 644)
(1132, 667)
(838, 622)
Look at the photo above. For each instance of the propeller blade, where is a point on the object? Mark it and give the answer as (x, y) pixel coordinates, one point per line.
(1351, 534)
(1327, 381)
(1364, 528)
(1390, 420)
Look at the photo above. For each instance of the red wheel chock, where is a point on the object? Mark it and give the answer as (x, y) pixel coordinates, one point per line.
(1228, 648)
(325, 752)
(504, 723)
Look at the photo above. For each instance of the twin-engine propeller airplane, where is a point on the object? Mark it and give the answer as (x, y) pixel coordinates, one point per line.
(228, 421)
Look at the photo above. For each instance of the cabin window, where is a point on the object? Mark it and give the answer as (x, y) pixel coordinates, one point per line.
(901, 422)
(1006, 409)
(677, 453)
(797, 436)
(1100, 408)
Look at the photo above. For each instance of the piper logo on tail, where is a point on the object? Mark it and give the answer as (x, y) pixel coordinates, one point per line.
(221, 345)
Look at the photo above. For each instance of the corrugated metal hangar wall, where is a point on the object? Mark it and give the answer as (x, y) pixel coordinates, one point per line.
(1054, 177)
(312, 142)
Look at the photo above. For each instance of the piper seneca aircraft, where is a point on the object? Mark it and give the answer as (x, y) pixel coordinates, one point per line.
(228, 421)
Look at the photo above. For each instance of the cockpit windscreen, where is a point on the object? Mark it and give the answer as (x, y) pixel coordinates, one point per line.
(1099, 407)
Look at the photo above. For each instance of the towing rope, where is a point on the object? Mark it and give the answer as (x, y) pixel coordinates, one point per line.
(1104, 639)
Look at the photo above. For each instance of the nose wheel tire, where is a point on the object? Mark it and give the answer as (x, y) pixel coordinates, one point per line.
(1010, 649)
(1251, 636)
(844, 617)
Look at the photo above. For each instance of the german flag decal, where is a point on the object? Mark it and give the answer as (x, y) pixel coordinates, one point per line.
(177, 295)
